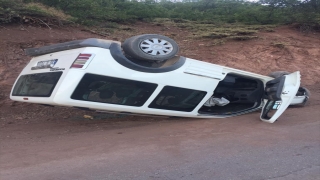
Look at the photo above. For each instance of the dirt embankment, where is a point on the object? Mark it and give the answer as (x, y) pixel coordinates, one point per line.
(284, 49)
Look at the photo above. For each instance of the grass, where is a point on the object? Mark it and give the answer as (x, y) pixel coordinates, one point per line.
(280, 45)
(226, 32)
(218, 42)
(242, 38)
(42, 10)
(209, 30)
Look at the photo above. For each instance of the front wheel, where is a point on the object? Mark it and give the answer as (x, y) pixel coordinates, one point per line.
(306, 93)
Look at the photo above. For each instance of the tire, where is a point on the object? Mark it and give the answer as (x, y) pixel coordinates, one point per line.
(304, 91)
(277, 74)
(150, 47)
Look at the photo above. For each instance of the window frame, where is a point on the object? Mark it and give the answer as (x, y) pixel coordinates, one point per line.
(28, 95)
(153, 104)
(152, 89)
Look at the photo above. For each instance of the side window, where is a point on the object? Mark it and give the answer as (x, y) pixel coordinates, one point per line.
(112, 90)
(177, 99)
(36, 85)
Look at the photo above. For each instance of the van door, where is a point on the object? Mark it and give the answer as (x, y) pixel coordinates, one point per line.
(279, 93)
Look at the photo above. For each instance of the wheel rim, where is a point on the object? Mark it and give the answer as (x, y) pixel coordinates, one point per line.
(156, 47)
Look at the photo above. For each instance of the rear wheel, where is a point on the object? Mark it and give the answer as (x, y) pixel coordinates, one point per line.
(152, 47)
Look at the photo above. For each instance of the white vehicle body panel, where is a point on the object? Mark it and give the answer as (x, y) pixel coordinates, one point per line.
(194, 74)
(297, 100)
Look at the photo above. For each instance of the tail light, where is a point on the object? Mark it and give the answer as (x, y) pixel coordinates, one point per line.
(82, 61)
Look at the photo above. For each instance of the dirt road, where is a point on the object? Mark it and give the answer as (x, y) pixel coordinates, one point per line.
(158, 148)
(164, 148)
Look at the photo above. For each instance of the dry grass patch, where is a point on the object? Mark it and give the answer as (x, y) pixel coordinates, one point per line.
(215, 31)
(280, 45)
(12, 11)
(42, 10)
(242, 38)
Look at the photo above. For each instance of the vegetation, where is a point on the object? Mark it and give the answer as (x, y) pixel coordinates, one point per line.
(14, 11)
(218, 32)
(99, 12)
(280, 45)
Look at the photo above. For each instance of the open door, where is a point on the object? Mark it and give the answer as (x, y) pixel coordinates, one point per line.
(279, 93)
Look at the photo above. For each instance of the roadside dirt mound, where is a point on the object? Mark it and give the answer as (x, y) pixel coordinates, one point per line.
(285, 49)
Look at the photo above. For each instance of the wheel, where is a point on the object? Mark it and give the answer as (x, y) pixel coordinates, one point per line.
(302, 91)
(277, 74)
(152, 47)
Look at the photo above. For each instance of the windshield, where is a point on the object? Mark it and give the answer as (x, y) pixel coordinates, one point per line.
(36, 85)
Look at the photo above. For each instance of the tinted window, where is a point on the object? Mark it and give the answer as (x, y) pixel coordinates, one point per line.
(178, 99)
(36, 85)
(113, 90)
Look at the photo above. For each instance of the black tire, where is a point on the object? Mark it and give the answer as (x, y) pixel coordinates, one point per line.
(304, 92)
(152, 47)
(277, 74)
